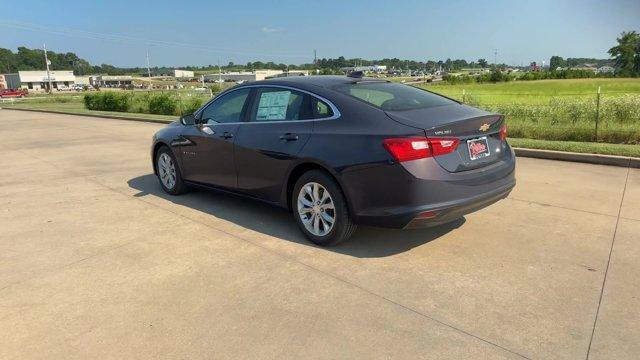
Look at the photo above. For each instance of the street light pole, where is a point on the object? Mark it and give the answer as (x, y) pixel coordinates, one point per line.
(148, 70)
(46, 61)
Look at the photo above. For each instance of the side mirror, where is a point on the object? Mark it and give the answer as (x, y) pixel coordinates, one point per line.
(188, 119)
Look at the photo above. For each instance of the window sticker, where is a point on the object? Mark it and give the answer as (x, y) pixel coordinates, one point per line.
(273, 105)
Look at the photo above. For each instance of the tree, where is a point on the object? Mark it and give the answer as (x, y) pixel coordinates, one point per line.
(556, 62)
(626, 53)
(483, 63)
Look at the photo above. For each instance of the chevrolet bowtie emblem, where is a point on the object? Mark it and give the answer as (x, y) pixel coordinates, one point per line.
(484, 127)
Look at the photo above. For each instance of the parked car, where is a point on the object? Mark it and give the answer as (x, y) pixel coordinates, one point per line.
(341, 151)
(6, 93)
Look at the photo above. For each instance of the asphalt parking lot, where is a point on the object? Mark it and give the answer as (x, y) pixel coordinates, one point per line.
(96, 262)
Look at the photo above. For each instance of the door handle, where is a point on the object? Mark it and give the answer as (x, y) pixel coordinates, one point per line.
(289, 137)
(226, 135)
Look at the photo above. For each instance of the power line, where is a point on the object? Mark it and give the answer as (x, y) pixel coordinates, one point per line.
(119, 38)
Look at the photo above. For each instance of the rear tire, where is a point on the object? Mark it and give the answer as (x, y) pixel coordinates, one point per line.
(320, 209)
(168, 172)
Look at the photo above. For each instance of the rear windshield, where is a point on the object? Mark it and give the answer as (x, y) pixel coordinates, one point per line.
(393, 97)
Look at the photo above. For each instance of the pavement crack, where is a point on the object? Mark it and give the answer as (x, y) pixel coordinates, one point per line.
(559, 207)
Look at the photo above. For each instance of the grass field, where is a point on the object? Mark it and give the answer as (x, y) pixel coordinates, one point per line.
(559, 109)
(78, 108)
(536, 92)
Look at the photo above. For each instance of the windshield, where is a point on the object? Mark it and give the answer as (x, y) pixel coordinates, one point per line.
(393, 97)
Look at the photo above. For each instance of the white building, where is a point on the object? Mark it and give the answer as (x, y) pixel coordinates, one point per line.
(605, 69)
(252, 76)
(182, 73)
(172, 73)
(368, 68)
(111, 80)
(289, 73)
(39, 81)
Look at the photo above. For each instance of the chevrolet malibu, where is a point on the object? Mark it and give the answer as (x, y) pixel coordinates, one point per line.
(341, 151)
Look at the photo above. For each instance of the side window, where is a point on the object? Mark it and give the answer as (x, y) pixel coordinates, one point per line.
(320, 109)
(227, 109)
(279, 104)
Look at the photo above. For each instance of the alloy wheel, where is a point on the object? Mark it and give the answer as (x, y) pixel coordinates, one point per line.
(316, 209)
(167, 171)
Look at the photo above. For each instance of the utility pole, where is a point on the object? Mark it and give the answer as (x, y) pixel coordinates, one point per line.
(46, 61)
(495, 57)
(219, 72)
(148, 70)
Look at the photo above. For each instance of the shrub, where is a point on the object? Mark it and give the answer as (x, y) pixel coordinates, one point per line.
(107, 101)
(192, 105)
(162, 104)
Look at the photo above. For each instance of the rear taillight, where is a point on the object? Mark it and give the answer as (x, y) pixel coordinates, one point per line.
(405, 149)
(503, 132)
(412, 148)
(441, 146)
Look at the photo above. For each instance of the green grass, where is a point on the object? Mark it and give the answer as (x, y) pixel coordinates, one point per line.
(579, 147)
(536, 92)
(559, 109)
(78, 108)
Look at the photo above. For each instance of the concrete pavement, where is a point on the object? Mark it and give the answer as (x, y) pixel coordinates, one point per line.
(96, 262)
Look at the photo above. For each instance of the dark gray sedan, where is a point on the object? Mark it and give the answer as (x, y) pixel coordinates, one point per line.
(340, 151)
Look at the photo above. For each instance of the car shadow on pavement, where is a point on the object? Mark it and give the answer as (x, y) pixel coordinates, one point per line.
(367, 242)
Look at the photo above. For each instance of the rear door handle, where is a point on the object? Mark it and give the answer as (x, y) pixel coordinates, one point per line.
(289, 137)
(226, 135)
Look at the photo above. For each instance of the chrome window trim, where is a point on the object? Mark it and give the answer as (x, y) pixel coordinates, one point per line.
(334, 109)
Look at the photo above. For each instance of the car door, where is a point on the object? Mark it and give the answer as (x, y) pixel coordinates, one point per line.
(209, 159)
(279, 123)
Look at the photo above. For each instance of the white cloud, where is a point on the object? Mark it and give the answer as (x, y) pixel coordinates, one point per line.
(267, 29)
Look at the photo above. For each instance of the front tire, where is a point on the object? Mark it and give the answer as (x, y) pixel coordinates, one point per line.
(168, 172)
(320, 209)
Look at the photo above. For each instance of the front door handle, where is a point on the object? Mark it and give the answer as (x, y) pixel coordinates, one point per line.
(289, 137)
(226, 135)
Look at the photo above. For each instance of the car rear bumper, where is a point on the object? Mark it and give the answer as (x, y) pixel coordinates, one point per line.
(443, 213)
(396, 195)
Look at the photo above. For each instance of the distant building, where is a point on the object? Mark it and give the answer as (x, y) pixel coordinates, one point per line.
(372, 68)
(289, 73)
(110, 80)
(585, 67)
(173, 73)
(83, 80)
(534, 67)
(606, 69)
(38, 80)
(249, 76)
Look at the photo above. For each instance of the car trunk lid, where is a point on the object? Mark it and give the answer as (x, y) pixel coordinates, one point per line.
(469, 125)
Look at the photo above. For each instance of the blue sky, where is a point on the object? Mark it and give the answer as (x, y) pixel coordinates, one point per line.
(199, 32)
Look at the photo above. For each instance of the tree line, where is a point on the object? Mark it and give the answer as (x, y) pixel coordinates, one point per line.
(626, 60)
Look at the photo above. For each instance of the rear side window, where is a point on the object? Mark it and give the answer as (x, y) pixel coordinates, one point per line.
(320, 109)
(393, 97)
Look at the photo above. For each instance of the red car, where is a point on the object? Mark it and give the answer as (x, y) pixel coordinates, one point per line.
(13, 93)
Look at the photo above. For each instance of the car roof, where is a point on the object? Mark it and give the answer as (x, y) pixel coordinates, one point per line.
(325, 81)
